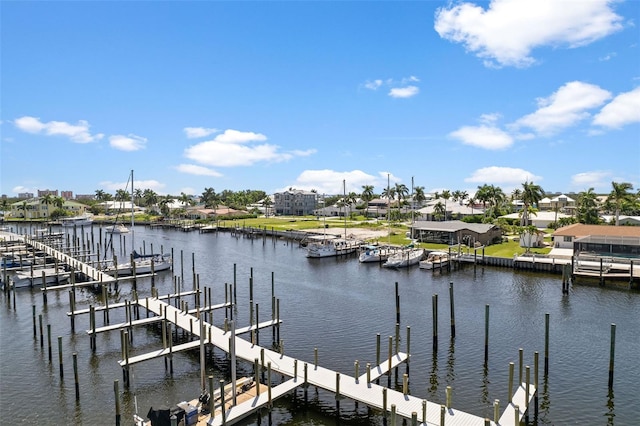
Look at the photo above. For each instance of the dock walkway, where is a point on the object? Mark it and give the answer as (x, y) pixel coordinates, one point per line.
(342, 385)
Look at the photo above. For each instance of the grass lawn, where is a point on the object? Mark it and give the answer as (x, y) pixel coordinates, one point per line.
(398, 232)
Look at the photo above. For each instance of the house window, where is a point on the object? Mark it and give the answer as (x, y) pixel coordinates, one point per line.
(567, 239)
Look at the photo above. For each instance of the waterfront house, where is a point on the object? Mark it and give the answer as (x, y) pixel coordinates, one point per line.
(539, 219)
(34, 208)
(452, 232)
(294, 202)
(601, 240)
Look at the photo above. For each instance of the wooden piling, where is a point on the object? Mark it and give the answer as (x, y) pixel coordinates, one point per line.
(116, 391)
(60, 363)
(546, 344)
(434, 306)
(509, 392)
(33, 314)
(612, 351)
(486, 334)
(75, 375)
(451, 306)
(49, 341)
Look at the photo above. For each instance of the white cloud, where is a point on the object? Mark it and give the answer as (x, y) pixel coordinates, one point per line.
(403, 88)
(404, 92)
(235, 148)
(329, 182)
(505, 177)
(76, 132)
(507, 31)
(564, 108)
(193, 169)
(623, 109)
(130, 142)
(198, 132)
(22, 189)
(487, 137)
(373, 85)
(593, 179)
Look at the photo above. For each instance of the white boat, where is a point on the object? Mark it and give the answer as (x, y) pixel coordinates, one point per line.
(328, 247)
(52, 276)
(144, 264)
(82, 220)
(374, 253)
(435, 260)
(117, 229)
(406, 257)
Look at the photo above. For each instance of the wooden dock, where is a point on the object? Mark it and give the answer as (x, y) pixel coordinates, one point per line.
(343, 385)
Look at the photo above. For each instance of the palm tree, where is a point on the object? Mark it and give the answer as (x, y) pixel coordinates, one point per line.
(210, 198)
(150, 197)
(446, 195)
(47, 200)
(350, 200)
(620, 195)
(419, 195)
(439, 210)
(100, 195)
(137, 195)
(531, 196)
(588, 207)
(24, 207)
(267, 205)
(401, 192)
(122, 195)
(185, 199)
(367, 195)
(471, 202)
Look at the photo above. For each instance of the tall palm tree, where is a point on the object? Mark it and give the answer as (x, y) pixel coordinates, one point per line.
(588, 207)
(439, 210)
(471, 202)
(401, 191)
(267, 205)
(620, 195)
(367, 194)
(185, 199)
(419, 195)
(100, 195)
(531, 196)
(47, 200)
(446, 195)
(149, 197)
(210, 198)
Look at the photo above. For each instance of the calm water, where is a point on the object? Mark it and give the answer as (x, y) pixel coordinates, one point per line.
(338, 306)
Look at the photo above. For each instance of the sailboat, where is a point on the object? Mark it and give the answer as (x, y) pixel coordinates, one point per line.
(139, 263)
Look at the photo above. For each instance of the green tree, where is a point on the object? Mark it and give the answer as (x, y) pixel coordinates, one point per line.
(47, 200)
(210, 199)
(446, 195)
(439, 210)
(531, 196)
(419, 196)
(619, 195)
(588, 207)
(149, 197)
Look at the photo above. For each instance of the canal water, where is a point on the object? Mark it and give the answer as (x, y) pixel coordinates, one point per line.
(338, 306)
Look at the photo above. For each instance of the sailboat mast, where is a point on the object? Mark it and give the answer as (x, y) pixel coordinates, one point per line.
(344, 202)
(133, 232)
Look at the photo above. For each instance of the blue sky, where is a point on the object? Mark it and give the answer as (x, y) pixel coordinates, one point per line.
(273, 95)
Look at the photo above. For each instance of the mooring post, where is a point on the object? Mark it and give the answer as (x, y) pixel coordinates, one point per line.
(511, 367)
(116, 391)
(49, 341)
(33, 314)
(453, 315)
(397, 304)
(60, 356)
(434, 306)
(612, 351)
(486, 334)
(75, 375)
(546, 344)
(496, 410)
(520, 362)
